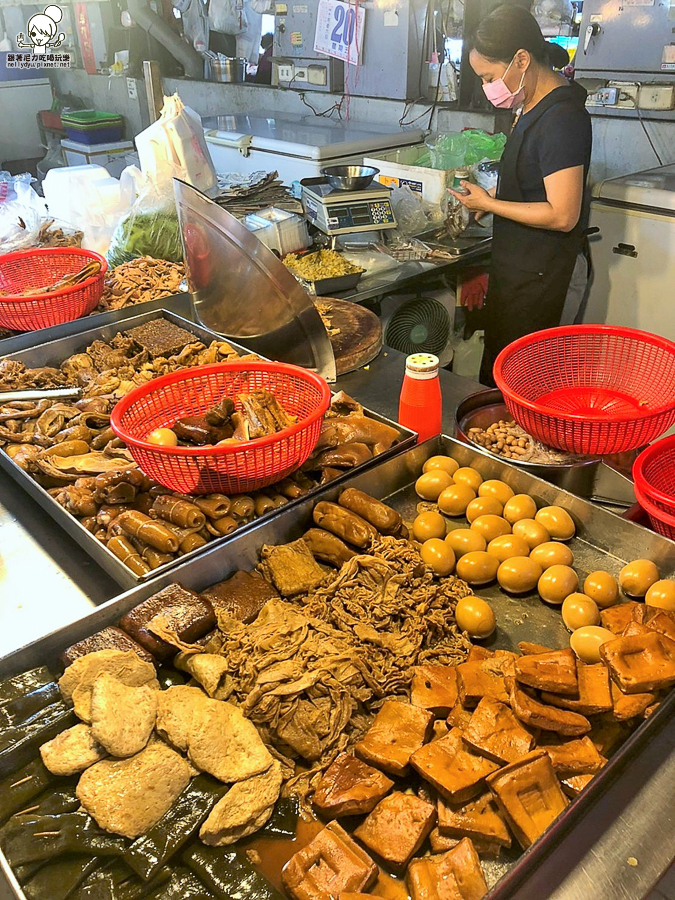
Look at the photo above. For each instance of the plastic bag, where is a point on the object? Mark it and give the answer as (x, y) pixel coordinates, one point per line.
(21, 212)
(174, 147)
(414, 215)
(151, 228)
(456, 150)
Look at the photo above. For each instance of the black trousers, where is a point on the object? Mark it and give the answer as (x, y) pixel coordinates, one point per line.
(519, 302)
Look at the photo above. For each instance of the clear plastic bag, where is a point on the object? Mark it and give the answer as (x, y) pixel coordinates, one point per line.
(414, 215)
(150, 228)
(21, 212)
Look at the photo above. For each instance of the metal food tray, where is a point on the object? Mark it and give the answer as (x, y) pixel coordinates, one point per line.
(53, 354)
(603, 539)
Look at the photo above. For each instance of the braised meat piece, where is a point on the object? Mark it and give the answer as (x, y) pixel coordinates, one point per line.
(398, 731)
(181, 610)
(641, 663)
(349, 787)
(72, 751)
(628, 706)
(434, 688)
(291, 568)
(452, 767)
(457, 875)
(110, 638)
(529, 796)
(122, 717)
(329, 865)
(594, 694)
(242, 596)
(578, 757)
(476, 680)
(616, 618)
(244, 809)
(548, 718)
(264, 414)
(495, 732)
(555, 671)
(397, 827)
(478, 819)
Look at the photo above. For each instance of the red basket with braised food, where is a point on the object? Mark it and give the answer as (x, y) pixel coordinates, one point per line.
(243, 425)
(40, 288)
(591, 389)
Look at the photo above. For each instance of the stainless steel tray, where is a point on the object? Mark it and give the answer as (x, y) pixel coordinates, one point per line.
(603, 539)
(52, 354)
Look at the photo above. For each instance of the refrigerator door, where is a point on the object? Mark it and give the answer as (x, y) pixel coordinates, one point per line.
(634, 269)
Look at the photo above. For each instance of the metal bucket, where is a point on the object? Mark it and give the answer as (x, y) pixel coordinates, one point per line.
(228, 69)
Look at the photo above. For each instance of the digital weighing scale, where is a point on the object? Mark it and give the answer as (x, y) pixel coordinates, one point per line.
(347, 212)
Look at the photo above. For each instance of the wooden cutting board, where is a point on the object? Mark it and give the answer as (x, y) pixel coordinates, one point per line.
(359, 336)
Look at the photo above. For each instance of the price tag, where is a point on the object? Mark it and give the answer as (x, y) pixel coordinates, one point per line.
(339, 30)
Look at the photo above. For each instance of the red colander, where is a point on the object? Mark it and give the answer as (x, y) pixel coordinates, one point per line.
(662, 522)
(654, 474)
(27, 269)
(231, 468)
(590, 389)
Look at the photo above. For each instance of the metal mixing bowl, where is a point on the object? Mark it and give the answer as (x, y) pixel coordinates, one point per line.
(349, 178)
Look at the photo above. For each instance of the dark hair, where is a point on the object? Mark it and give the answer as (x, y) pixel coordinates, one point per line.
(267, 40)
(511, 28)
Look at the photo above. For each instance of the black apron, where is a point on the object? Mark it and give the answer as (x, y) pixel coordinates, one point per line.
(531, 267)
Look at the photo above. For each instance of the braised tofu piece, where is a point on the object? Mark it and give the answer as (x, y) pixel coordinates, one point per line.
(503, 663)
(110, 638)
(575, 784)
(291, 568)
(527, 648)
(398, 731)
(459, 717)
(452, 767)
(475, 681)
(397, 827)
(548, 718)
(555, 671)
(329, 865)
(457, 875)
(594, 695)
(634, 628)
(606, 734)
(349, 787)
(617, 617)
(441, 728)
(663, 623)
(478, 654)
(495, 732)
(642, 663)
(628, 706)
(529, 796)
(579, 757)
(478, 819)
(434, 688)
(441, 843)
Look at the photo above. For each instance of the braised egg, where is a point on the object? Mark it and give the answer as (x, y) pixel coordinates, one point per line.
(579, 610)
(438, 556)
(467, 475)
(455, 499)
(552, 554)
(556, 583)
(507, 546)
(163, 437)
(602, 588)
(444, 463)
(483, 506)
(428, 525)
(638, 576)
(477, 567)
(475, 616)
(464, 540)
(497, 489)
(532, 532)
(431, 485)
(520, 506)
(587, 640)
(491, 527)
(557, 522)
(662, 595)
(519, 574)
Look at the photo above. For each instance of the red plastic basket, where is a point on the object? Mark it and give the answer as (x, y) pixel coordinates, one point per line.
(593, 389)
(654, 474)
(33, 268)
(662, 522)
(232, 468)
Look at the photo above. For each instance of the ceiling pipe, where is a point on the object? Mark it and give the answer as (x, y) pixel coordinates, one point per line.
(187, 56)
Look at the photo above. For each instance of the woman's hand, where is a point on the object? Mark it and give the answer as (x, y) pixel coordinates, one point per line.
(476, 199)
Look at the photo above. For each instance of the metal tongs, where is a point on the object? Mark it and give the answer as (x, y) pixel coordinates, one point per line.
(71, 393)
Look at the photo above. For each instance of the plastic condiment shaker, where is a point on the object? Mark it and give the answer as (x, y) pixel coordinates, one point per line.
(419, 406)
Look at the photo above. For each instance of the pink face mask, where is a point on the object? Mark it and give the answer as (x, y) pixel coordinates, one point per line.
(499, 94)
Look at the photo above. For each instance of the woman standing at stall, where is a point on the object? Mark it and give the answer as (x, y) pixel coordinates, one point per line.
(539, 198)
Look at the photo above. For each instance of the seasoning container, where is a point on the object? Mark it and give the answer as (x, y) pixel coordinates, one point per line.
(419, 406)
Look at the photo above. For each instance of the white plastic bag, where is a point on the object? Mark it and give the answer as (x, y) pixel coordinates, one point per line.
(21, 211)
(174, 147)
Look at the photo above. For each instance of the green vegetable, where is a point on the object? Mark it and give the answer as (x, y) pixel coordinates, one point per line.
(182, 885)
(58, 880)
(229, 874)
(31, 838)
(154, 233)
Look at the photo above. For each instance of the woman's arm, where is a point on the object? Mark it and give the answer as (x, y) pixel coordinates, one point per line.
(560, 211)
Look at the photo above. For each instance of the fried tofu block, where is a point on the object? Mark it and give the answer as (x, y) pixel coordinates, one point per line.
(458, 717)
(527, 648)
(475, 681)
(349, 787)
(329, 864)
(441, 843)
(398, 731)
(555, 671)
(495, 732)
(529, 796)
(434, 688)
(575, 784)
(641, 663)
(548, 718)
(397, 828)
(578, 757)
(478, 819)
(628, 706)
(452, 767)
(457, 875)
(594, 694)
(616, 618)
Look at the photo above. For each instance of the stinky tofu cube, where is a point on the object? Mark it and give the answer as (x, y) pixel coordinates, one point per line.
(529, 795)
(495, 732)
(617, 617)
(478, 819)
(349, 787)
(330, 864)
(398, 731)
(452, 767)
(555, 671)
(577, 757)
(397, 827)
(476, 681)
(457, 875)
(594, 694)
(641, 663)
(434, 688)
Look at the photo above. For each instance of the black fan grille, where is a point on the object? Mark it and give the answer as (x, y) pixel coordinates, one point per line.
(421, 324)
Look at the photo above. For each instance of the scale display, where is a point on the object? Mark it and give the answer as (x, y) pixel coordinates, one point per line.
(347, 212)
